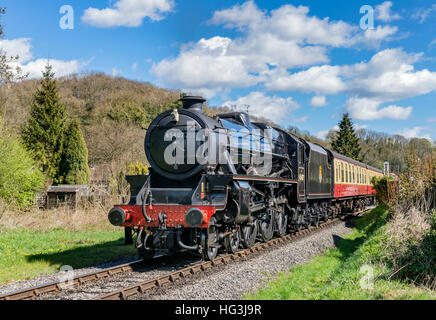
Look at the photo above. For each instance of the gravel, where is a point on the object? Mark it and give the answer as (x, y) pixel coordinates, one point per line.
(232, 281)
(103, 286)
(54, 277)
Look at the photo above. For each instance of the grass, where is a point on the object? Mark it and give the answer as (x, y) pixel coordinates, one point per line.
(25, 254)
(40, 242)
(337, 274)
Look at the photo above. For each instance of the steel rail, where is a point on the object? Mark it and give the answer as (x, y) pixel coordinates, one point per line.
(171, 278)
(36, 291)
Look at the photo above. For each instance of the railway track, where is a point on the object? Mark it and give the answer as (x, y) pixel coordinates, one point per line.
(36, 291)
(165, 280)
(173, 277)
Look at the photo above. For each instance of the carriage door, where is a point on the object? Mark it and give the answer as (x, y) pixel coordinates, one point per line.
(301, 175)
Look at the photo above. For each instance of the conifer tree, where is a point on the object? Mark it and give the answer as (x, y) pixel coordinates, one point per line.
(346, 141)
(44, 132)
(74, 167)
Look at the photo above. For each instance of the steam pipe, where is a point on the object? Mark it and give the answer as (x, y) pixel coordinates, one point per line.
(144, 211)
(184, 246)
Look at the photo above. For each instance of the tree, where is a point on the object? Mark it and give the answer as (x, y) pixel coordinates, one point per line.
(44, 132)
(74, 167)
(346, 141)
(19, 176)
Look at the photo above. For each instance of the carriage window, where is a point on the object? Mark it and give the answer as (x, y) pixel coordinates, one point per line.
(342, 172)
(352, 174)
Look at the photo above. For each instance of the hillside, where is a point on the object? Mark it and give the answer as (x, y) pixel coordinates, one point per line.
(112, 111)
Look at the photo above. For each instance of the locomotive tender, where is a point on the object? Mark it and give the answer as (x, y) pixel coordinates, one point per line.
(218, 183)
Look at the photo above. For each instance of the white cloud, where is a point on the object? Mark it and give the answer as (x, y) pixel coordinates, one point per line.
(239, 16)
(275, 108)
(415, 133)
(422, 14)
(374, 37)
(34, 67)
(318, 101)
(323, 133)
(115, 72)
(269, 44)
(134, 66)
(369, 109)
(358, 126)
(17, 47)
(388, 76)
(383, 12)
(60, 67)
(323, 79)
(300, 120)
(128, 13)
(433, 43)
(206, 67)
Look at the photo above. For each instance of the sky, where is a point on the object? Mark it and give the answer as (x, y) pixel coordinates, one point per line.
(298, 63)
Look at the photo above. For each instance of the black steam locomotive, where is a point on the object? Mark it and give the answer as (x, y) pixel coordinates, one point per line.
(223, 182)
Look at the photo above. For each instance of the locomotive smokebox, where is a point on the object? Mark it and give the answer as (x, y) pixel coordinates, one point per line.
(193, 103)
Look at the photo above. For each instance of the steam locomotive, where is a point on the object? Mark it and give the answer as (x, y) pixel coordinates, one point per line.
(224, 182)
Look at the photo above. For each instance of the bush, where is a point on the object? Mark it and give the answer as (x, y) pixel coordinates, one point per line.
(19, 176)
(381, 185)
(409, 249)
(138, 168)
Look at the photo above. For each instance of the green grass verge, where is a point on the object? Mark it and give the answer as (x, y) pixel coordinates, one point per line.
(25, 254)
(336, 274)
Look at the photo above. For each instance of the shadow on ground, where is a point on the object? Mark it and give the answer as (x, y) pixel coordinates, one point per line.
(84, 256)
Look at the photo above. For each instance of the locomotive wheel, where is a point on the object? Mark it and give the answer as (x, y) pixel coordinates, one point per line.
(232, 241)
(248, 235)
(281, 223)
(267, 229)
(211, 246)
(308, 217)
(316, 216)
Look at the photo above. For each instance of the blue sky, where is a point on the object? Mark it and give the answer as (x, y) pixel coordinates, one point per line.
(300, 63)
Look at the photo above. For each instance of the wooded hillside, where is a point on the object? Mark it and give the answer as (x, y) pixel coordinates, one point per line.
(112, 111)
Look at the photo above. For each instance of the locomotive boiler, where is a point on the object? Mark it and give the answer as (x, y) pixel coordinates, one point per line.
(225, 182)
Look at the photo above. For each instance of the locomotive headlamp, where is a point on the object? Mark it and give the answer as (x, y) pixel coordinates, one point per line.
(194, 217)
(117, 216)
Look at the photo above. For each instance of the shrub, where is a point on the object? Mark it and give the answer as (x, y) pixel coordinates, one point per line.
(138, 168)
(381, 185)
(74, 167)
(19, 176)
(44, 132)
(409, 248)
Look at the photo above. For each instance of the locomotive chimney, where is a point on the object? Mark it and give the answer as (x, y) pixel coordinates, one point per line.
(193, 103)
